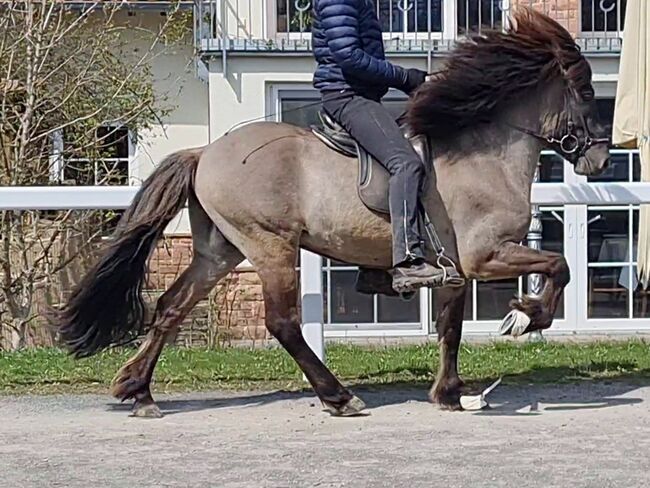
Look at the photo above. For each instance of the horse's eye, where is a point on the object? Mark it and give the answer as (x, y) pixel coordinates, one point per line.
(587, 94)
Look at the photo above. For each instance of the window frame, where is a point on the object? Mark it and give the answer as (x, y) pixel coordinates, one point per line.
(600, 34)
(58, 160)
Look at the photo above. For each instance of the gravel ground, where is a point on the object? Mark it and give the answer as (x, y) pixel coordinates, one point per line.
(588, 435)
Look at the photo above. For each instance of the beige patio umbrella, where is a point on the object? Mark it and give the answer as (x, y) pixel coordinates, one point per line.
(632, 112)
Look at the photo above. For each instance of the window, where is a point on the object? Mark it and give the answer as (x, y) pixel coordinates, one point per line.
(105, 162)
(409, 16)
(476, 15)
(397, 17)
(300, 111)
(344, 305)
(294, 16)
(409, 25)
(603, 15)
(612, 231)
(551, 168)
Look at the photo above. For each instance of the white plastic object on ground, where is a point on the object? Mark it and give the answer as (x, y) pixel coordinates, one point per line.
(478, 402)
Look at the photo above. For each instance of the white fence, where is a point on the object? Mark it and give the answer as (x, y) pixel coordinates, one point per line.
(86, 198)
(119, 197)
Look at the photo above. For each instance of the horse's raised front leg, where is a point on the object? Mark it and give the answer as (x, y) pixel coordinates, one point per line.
(449, 323)
(529, 313)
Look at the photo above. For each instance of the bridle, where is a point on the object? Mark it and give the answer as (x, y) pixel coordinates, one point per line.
(568, 145)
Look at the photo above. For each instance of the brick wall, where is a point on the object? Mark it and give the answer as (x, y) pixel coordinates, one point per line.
(233, 311)
(566, 12)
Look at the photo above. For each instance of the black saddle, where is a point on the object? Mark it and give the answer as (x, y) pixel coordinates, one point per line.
(373, 177)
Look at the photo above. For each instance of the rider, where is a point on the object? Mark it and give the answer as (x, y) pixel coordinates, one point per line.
(353, 75)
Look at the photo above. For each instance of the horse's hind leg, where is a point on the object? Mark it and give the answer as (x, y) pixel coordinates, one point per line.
(449, 323)
(214, 257)
(529, 313)
(275, 263)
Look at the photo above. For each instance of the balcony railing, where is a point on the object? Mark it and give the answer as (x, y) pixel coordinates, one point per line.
(408, 25)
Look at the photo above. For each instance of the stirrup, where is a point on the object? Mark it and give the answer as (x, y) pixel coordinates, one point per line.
(451, 277)
(447, 277)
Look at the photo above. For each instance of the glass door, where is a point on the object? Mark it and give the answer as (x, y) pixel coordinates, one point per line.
(612, 299)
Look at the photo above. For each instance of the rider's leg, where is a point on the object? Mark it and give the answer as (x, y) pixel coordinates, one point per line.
(372, 125)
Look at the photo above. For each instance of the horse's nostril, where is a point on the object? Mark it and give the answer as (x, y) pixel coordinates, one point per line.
(607, 163)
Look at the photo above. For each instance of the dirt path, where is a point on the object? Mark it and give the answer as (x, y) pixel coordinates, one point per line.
(594, 436)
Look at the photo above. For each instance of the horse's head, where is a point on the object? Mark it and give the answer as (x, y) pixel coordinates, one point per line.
(532, 78)
(573, 128)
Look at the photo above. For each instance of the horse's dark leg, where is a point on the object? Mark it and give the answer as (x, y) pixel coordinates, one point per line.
(134, 378)
(513, 260)
(449, 323)
(280, 289)
(214, 257)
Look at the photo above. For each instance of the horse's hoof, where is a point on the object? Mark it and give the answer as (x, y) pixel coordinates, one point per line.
(446, 395)
(448, 403)
(515, 323)
(353, 408)
(150, 411)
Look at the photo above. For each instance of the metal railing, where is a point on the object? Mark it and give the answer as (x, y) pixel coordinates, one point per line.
(408, 25)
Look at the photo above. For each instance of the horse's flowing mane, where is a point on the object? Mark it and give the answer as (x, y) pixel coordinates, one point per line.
(485, 72)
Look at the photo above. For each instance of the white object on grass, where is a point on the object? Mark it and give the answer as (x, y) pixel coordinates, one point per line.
(478, 402)
(515, 323)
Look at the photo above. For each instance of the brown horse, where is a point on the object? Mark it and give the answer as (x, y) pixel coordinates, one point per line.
(266, 190)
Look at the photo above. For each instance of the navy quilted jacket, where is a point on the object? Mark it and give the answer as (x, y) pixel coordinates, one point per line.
(349, 49)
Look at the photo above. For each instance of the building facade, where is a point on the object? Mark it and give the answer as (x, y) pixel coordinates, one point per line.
(254, 62)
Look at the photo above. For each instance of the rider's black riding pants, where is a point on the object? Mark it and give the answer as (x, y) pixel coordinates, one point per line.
(374, 128)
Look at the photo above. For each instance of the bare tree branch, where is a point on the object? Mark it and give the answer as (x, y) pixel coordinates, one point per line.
(76, 75)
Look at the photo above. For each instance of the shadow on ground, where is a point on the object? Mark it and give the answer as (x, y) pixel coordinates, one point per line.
(555, 388)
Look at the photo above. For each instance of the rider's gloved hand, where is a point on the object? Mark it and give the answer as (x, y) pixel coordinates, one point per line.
(414, 78)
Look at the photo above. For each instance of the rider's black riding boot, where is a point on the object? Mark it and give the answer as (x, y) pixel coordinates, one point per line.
(411, 271)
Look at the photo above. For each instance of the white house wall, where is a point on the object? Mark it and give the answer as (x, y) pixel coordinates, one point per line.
(244, 92)
(186, 125)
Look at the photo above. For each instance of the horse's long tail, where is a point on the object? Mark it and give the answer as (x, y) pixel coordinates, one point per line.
(106, 307)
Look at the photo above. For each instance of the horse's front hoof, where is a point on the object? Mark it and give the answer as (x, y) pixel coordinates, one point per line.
(148, 411)
(516, 324)
(354, 407)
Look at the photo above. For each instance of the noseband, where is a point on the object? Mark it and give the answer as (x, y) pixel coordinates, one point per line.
(568, 145)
